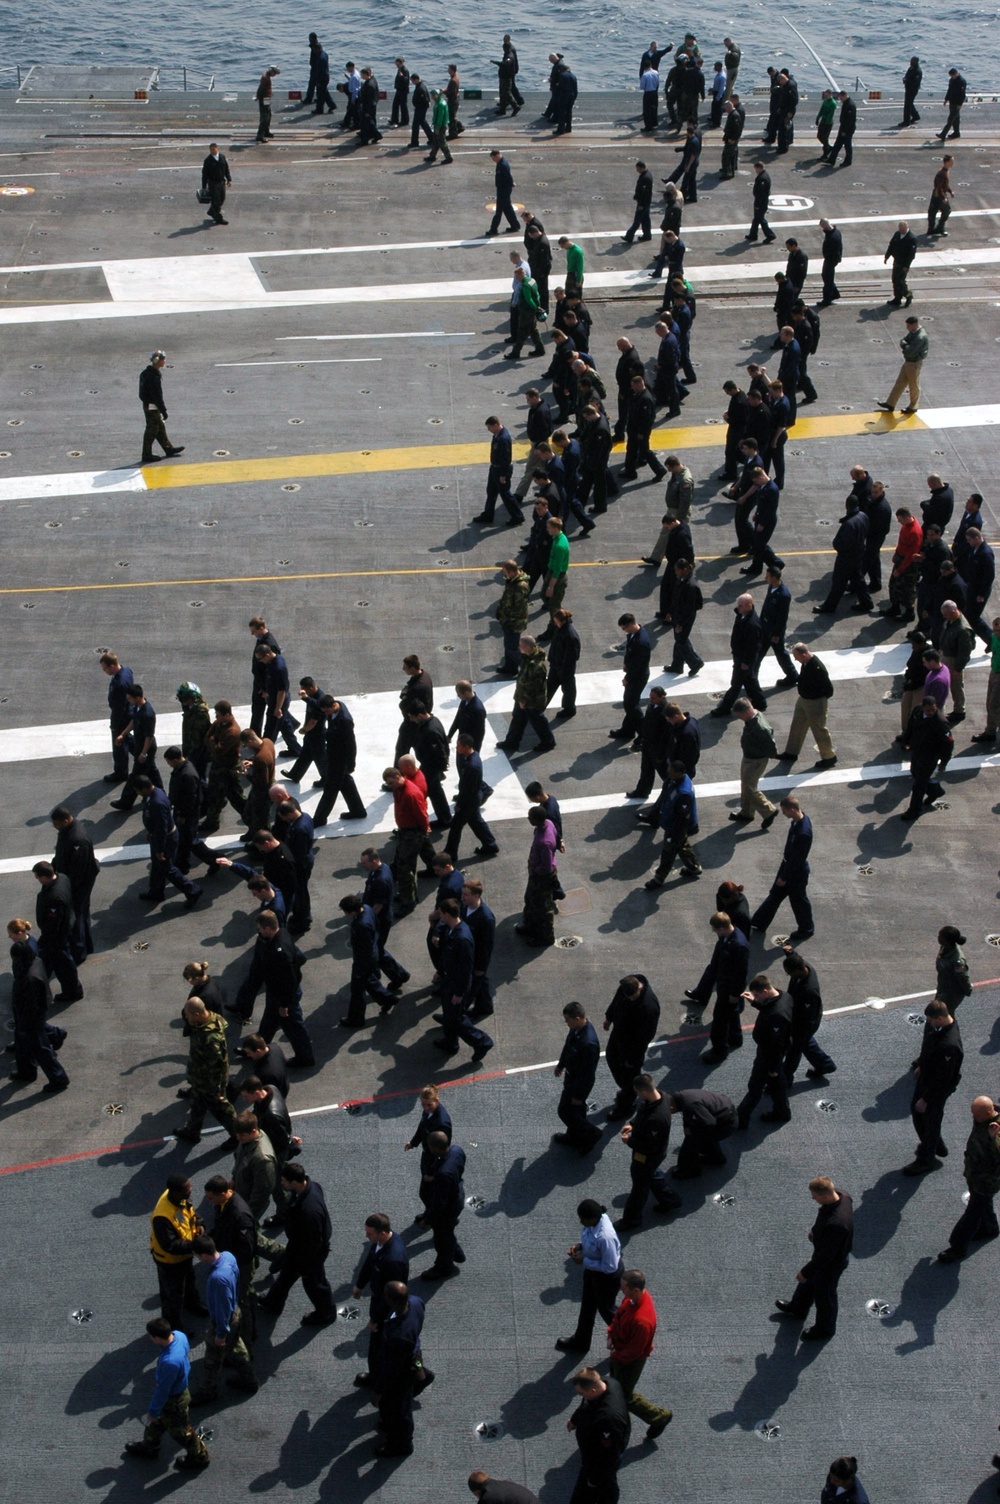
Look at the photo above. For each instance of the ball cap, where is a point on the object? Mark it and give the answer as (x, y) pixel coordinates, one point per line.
(187, 691)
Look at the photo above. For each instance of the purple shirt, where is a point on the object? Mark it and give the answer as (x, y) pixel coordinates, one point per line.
(542, 856)
(937, 686)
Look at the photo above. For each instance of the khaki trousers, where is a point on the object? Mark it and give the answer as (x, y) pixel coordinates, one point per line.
(810, 715)
(751, 798)
(909, 377)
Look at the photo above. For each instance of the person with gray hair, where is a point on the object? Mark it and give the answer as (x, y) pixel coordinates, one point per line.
(811, 704)
(956, 641)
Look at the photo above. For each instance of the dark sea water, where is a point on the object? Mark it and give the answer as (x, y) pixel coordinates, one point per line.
(601, 42)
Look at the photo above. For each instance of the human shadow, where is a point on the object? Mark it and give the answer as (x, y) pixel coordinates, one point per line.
(893, 1102)
(880, 1211)
(526, 1184)
(529, 1411)
(109, 1383)
(208, 224)
(927, 1290)
(774, 1380)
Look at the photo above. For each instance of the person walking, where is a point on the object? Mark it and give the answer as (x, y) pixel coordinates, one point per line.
(158, 820)
(400, 1371)
(793, 875)
(647, 1137)
(937, 1071)
(503, 180)
(530, 697)
(843, 1486)
(824, 120)
(912, 79)
(215, 179)
(528, 314)
(599, 1251)
(901, 250)
(676, 812)
(173, 1224)
(643, 196)
(36, 1042)
(386, 1260)
(400, 112)
(365, 963)
(846, 126)
(956, 641)
(500, 474)
(439, 128)
(978, 1223)
(915, 347)
(630, 1344)
(850, 543)
(807, 1015)
(224, 1342)
(727, 973)
(635, 677)
(265, 90)
(632, 1018)
(207, 1074)
(812, 701)
(833, 254)
(954, 98)
(602, 1429)
(307, 1247)
(445, 1203)
(761, 199)
(154, 407)
(942, 193)
(832, 1238)
(421, 105)
(564, 655)
(577, 1067)
(929, 741)
(169, 1408)
(745, 647)
(772, 1032)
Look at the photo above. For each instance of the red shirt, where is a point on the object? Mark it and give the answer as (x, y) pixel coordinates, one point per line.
(633, 1329)
(908, 544)
(410, 805)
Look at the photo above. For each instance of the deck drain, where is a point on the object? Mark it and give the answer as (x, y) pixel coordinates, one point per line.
(140, 946)
(113, 1109)
(724, 1199)
(121, 563)
(82, 1316)
(439, 488)
(447, 648)
(878, 1309)
(284, 563)
(196, 605)
(220, 454)
(291, 487)
(711, 422)
(53, 525)
(205, 1434)
(362, 604)
(354, 1109)
(993, 940)
(435, 422)
(823, 522)
(14, 422)
(363, 524)
(5, 454)
(349, 1313)
(767, 1430)
(295, 422)
(476, 1202)
(915, 1020)
(490, 1430)
(27, 605)
(866, 871)
(568, 942)
(941, 804)
(824, 1106)
(779, 939)
(213, 523)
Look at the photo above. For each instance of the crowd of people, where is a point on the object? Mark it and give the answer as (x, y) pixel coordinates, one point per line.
(269, 1209)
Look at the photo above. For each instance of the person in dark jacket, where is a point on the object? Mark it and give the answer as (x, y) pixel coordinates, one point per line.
(266, 1061)
(456, 966)
(952, 969)
(313, 733)
(564, 655)
(154, 408)
(833, 254)
(433, 752)
(577, 1066)
(633, 1018)
(341, 759)
(727, 973)
(365, 963)
(643, 196)
(215, 179)
(686, 601)
(685, 738)
(954, 98)
(503, 180)
(792, 879)
(655, 743)
(401, 1371)
(843, 1486)
(638, 649)
(708, 1118)
(937, 1071)
(761, 198)
(268, 1107)
(602, 1428)
(902, 250)
(849, 542)
(978, 1223)
(386, 1260)
(563, 99)
(912, 79)
(676, 813)
(378, 895)
(307, 1246)
(162, 833)
(421, 101)
(929, 741)
(400, 113)
(745, 645)
(638, 429)
(832, 1238)
(277, 865)
(368, 100)
(276, 966)
(807, 1015)
(445, 1204)
(879, 514)
(730, 899)
(294, 829)
(772, 1034)
(482, 924)
(847, 124)
(74, 858)
(434, 1118)
(500, 475)
(774, 623)
(647, 1137)
(468, 801)
(36, 1042)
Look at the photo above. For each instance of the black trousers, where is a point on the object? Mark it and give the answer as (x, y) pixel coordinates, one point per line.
(574, 1116)
(564, 680)
(217, 192)
(632, 698)
(726, 1032)
(336, 783)
(420, 124)
(702, 1145)
(600, 1294)
(745, 680)
(57, 959)
(927, 1124)
(760, 1081)
(309, 1268)
(447, 1248)
(395, 1411)
(178, 1292)
(400, 113)
(821, 1290)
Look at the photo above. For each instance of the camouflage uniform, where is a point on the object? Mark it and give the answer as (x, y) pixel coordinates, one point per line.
(208, 1075)
(530, 696)
(195, 721)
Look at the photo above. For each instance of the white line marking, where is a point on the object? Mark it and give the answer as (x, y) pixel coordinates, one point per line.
(229, 282)
(523, 1070)
(35, 174)
(331, 360)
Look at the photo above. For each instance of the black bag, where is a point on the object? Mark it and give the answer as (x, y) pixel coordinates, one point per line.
(203, 196)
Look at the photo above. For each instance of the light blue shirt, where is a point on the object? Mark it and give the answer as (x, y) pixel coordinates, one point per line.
(650, 81)
(718, 84)
(601, 1248)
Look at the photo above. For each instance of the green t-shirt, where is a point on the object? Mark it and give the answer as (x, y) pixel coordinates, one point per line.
(574, 262)
(559, 555)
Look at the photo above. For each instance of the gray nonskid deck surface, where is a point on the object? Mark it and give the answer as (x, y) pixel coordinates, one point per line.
(723, 1361)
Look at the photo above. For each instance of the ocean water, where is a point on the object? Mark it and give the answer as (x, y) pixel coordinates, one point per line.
(602, 42)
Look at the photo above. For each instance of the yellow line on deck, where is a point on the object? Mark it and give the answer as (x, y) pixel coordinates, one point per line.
(444, 456)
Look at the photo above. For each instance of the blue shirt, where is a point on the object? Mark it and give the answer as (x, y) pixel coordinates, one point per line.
(601, 1248)
(173, 1370)
(119, 683)
(222, 1292)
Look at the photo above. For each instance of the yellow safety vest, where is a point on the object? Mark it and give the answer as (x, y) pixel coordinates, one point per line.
(182, 1218)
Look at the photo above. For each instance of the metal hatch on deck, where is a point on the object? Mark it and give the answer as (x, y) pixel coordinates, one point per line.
(89, 81)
